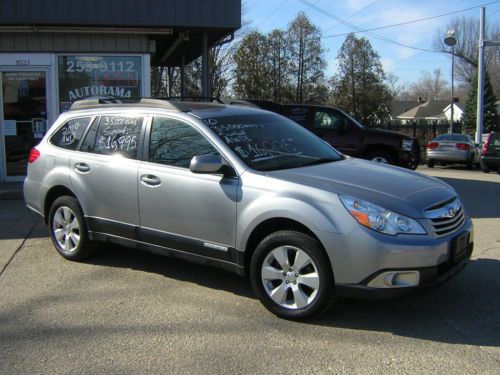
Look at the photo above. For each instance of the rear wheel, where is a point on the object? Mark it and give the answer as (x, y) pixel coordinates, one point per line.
(68, 230)
(430, 163)
(292, 276)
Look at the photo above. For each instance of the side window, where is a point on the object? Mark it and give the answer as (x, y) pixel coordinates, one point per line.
(299, 115)
(325, 120)
(495, 140)
(114, 134)
(69, 135)
(174, 142)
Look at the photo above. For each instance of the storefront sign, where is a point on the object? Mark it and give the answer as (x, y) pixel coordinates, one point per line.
(102, 77)
(10, 128)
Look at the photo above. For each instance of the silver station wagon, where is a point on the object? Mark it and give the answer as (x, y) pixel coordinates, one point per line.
(249, 191)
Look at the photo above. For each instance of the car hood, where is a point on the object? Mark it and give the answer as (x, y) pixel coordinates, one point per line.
(396, 189)
(387, 133)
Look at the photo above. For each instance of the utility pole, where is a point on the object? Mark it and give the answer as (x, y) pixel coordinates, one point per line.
(480, 80)
(480, 75)
(451, 41)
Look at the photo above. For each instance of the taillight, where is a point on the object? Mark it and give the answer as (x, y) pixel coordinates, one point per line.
(34, 154)
(486, 145)
(432, 145)
(463, 146)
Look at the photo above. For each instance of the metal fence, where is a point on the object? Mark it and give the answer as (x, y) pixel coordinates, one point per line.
(424, 132)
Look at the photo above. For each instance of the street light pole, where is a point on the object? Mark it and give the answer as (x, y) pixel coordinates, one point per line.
(450, 41)
(480, 80)
(452, 76)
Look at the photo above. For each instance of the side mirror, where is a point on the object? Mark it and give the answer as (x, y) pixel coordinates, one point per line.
(211, 164)
(206, 164)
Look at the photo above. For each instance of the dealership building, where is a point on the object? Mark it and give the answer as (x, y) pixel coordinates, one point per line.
(54, 52)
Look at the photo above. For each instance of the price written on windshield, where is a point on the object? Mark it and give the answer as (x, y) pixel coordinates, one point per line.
(102, 66)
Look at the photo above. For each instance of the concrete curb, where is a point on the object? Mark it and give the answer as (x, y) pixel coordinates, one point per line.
(11, 191)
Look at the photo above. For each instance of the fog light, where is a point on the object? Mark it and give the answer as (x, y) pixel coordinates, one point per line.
(395, 279)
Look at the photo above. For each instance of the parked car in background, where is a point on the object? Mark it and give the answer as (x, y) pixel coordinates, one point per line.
(249, 191)
(346, 134)
(453, 149)
(490, 156)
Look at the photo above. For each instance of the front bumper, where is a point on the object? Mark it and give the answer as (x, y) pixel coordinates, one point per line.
(359, 256)
(410, 159)
(429, 277)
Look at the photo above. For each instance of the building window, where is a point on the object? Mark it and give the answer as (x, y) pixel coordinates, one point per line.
(102, 77)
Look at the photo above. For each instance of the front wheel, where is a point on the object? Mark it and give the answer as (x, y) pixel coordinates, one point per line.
(381, 157)
(67, 229)
(292, 276)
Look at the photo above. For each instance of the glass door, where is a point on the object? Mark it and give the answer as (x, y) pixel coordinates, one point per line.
(24, 104)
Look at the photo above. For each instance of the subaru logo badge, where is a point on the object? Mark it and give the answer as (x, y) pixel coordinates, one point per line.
(451, 212)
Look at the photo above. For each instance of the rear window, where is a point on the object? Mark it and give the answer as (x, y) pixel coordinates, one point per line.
(495, 139)
(453, 138)
(114, 134)
(69, 135)
(299, 115)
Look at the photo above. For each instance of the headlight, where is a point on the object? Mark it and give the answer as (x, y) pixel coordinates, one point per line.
(380, 219)
(407, 144)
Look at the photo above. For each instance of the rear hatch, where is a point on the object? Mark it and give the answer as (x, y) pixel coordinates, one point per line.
(493, 149)
(446, 146)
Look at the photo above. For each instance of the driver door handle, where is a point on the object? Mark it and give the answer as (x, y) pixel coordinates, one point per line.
(150, 180)
(82, 167)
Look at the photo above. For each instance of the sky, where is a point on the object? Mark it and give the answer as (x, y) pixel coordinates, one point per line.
(406, 63)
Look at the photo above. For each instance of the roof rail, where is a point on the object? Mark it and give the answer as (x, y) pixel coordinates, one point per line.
(142, 102)
(208, 99)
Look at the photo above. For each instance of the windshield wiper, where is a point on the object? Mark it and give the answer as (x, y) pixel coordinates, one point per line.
(318, 161)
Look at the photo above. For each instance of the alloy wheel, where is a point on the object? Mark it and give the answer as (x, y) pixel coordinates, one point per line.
(290, 277)
(66, 229)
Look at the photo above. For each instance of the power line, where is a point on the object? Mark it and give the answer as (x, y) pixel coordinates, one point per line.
(414, 21)
(358, 29)
(352, 15)
(254, 5)
(272, 13)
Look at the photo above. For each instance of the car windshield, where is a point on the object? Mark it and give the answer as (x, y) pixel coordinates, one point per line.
(453, 137)
(267, 142)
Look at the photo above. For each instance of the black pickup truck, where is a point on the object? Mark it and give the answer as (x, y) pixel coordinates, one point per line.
(345, 133)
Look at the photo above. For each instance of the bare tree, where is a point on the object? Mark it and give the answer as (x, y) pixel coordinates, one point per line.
(430, 87)
(466, 49)
(395, 86)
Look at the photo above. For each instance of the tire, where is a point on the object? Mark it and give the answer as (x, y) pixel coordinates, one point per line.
(68, 230)
(381, 157)
(485, 168)
(295, 297)
(430, 163)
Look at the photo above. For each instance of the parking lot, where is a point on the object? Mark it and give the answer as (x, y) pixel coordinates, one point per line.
(124, 311)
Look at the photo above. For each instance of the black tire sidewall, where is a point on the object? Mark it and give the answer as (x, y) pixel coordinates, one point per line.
(82, 249)
(326, 293)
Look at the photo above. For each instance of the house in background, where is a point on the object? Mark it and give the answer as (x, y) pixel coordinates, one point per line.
(433, 111)
(399, 107)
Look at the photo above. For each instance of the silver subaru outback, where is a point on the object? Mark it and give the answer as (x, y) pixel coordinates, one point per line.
(248, 191)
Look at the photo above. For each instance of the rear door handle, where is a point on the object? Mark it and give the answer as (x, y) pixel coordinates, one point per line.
(150, 180)
(82, 167)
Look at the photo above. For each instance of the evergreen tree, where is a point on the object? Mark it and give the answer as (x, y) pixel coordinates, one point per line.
(253, 71)
(359, 85)
(489, 108)
(307, 61)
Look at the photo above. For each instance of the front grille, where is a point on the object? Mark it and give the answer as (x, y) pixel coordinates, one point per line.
(446, 218)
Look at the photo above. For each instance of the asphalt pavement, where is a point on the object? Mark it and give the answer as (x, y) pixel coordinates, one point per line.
(125, 311)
